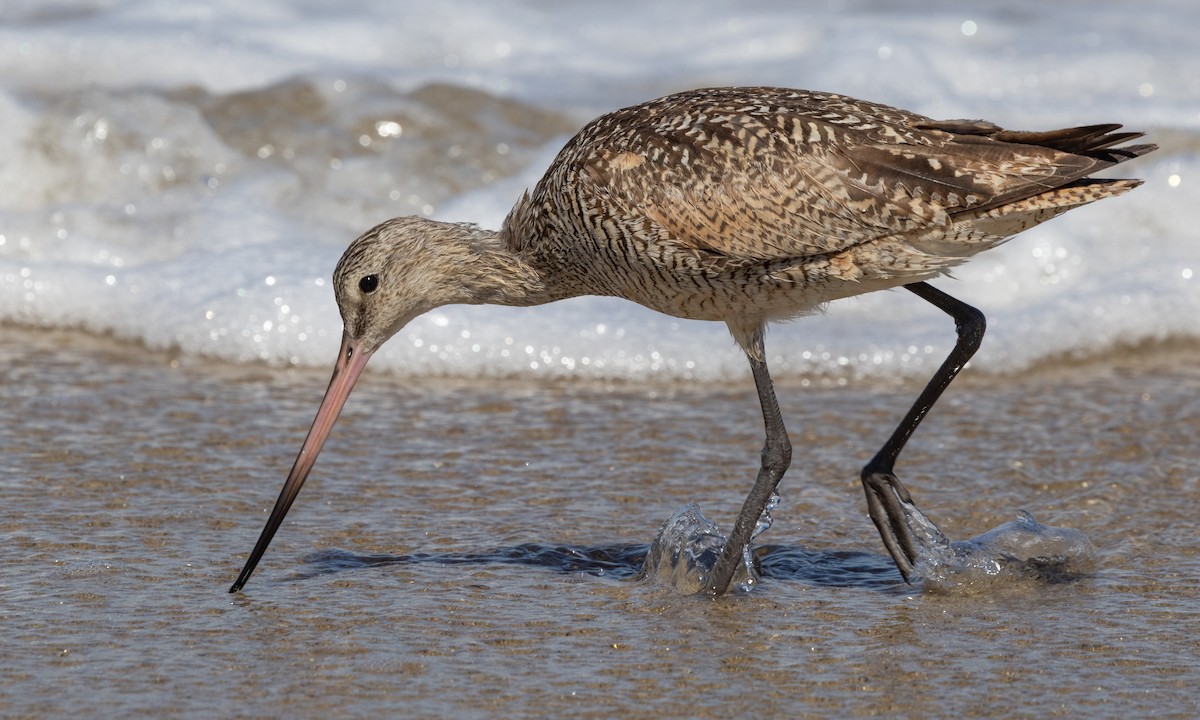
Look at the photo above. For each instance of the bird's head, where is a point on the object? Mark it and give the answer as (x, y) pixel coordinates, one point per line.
(396, 271)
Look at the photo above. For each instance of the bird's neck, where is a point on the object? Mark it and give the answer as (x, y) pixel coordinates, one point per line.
(493, 274)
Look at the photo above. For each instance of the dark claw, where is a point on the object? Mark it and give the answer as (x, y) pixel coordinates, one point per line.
(885, 493)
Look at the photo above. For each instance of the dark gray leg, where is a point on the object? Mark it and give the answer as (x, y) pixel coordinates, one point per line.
(776, 456)
(885, 492)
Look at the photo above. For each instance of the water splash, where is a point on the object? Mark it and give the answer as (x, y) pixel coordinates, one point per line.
(688, 544)
(685, 550)
(1019, 549)
(764, 520)
(761, 526)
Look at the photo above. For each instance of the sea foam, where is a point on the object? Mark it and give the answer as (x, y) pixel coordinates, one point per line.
(186, 176)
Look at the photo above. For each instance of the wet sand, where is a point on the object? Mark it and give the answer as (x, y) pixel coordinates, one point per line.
(464, 548)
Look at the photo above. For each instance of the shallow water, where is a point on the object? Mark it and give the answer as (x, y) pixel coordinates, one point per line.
(466, 548)
(187, 175)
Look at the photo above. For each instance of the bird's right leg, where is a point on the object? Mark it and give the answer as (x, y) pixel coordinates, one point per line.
(885, 492)
(776, 456)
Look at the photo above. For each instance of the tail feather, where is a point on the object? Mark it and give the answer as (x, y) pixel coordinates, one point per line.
(1094, 141)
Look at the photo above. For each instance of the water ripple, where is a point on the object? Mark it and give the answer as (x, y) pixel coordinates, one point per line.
(836, 568)
(687, 545)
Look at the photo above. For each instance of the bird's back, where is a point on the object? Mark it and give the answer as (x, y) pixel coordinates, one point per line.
(733, 200)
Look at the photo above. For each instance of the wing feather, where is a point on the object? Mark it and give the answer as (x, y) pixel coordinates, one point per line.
(799, 174)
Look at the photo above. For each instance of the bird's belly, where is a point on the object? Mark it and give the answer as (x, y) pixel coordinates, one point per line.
(688, 283)
(773, 290)
(767, 291)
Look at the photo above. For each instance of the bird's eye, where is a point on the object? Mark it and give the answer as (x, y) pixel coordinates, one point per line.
(368, 284)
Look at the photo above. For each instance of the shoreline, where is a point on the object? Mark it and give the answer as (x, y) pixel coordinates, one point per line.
(1156, 356)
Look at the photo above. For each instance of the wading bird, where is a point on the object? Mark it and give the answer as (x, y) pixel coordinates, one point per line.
(744, 205)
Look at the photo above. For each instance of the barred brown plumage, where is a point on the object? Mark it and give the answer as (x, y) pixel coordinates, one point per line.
(744, 205)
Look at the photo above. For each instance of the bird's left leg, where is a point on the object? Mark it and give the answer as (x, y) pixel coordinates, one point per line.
(885, 492)
(776, 456)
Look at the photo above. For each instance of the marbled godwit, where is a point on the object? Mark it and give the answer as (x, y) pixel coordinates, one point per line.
(745, 205)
